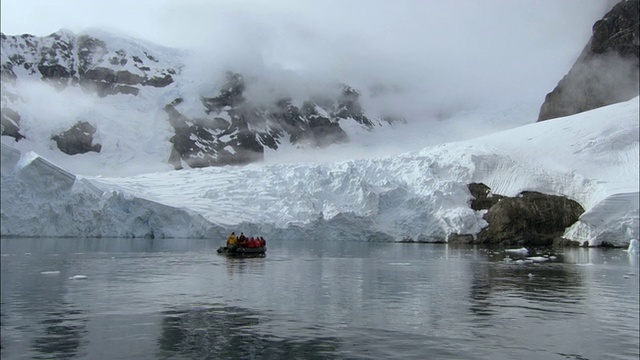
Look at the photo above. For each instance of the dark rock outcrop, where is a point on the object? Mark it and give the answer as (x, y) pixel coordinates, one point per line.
(77, 140)
(236, 131)
(529, 219)
(607, 70)
(483, 199)
(10, 122)
(63, 59)
(228, 129)
(460, 239)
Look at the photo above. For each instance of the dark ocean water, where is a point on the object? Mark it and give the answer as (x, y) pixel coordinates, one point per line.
(179, 299)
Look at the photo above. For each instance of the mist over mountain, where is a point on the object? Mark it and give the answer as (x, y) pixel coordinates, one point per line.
(206, 123)
(607, 70)
(62, 93)
(297, 86)
(431, 139)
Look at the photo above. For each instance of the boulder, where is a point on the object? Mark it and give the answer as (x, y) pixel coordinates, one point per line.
(529, 219)
(77, 140)
(10, 123)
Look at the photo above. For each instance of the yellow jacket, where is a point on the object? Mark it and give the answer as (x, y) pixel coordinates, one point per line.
(231, 240)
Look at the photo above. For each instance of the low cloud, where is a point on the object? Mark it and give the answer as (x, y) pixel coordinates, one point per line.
(439, 54)
(432, 58)
(425, 61)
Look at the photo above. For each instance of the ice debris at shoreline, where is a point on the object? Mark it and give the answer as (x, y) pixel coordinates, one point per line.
(55, 272)
(521, 252)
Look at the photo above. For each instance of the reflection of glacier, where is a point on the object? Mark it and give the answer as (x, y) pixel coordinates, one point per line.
(591, 157)
(39, 318)
(232, 332)
(64, 332)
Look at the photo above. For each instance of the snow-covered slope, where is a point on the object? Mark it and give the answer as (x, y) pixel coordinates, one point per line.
(153, 108)
(591, 157)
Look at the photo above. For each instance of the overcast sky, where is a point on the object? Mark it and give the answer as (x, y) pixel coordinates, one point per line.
(442, 51)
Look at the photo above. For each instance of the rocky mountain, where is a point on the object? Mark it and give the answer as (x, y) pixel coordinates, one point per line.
(235, 130)
(607, 70)
(63, 59)
(217, 127)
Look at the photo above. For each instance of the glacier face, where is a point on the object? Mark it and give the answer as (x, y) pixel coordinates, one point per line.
(42, 199)
(590, 157)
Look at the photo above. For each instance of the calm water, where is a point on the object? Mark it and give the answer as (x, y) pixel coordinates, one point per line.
(178, 299)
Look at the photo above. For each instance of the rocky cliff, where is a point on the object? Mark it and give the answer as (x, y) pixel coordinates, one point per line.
(607, 70)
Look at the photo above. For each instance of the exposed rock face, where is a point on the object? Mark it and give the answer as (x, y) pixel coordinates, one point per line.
(236, 130)
(226, 129)
(607, 70)
(77, 140)
(483, 199)
(10, 123)
(529, 219)
(63, 59)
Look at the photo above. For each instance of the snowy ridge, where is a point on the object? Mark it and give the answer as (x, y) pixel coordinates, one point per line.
(164, 108)
(21, 54)
(590, 157)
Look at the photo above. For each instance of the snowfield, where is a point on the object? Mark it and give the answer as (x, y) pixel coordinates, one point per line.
(590, 157)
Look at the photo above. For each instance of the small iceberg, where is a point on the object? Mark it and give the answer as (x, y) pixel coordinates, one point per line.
(522, 251)
(78, 277)
(55, 272)
(634, 247)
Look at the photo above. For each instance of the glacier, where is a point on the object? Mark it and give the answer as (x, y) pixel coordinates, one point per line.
(590, 157)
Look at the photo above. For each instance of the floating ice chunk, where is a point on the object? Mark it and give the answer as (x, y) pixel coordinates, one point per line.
(54, 272)
(552, 257)
(634, 247)
(78, 277)
(537, 259)
(522, 251)
(530, 275)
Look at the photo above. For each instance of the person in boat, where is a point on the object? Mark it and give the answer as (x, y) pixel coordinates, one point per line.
(242, 240)
(253, 243)
(262, 241)
(232, 243)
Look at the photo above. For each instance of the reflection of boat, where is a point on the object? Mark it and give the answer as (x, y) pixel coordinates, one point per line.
(242, 251)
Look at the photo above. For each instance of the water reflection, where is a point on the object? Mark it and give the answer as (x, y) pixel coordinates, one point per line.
(103, 245)
(62, 335)
(226, 332)
(314, 300)
(37, 317)
(242, 265)
(551, 285)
